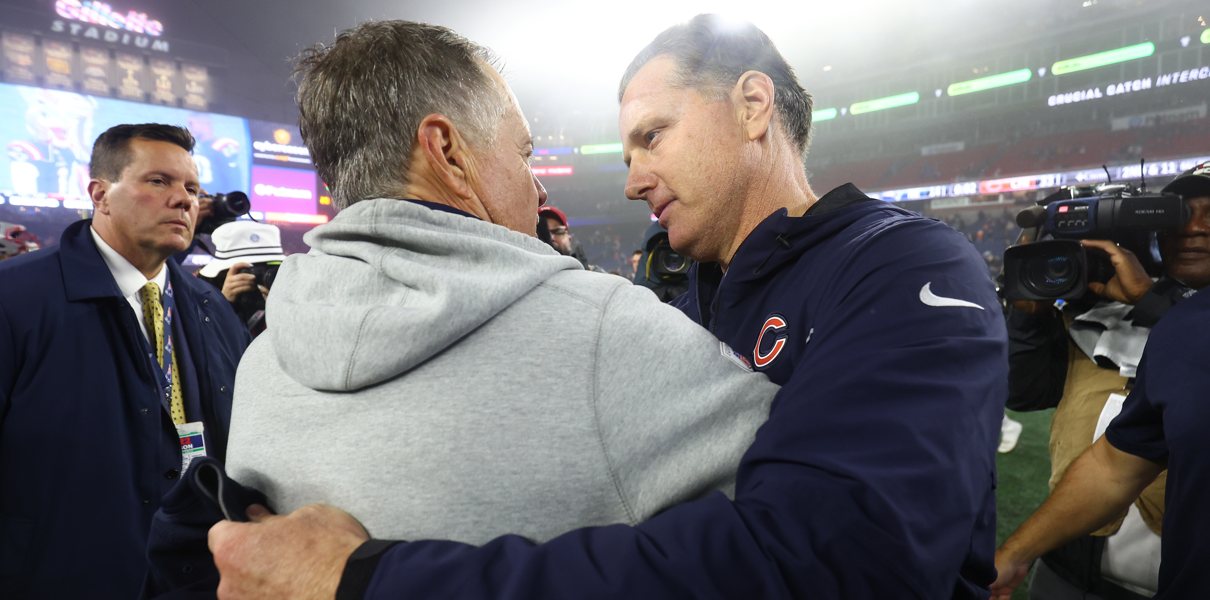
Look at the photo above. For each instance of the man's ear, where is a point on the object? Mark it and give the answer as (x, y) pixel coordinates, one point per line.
(445, 154)
(97, 190)
(752, 97)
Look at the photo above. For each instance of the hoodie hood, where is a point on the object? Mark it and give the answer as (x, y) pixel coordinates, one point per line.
(389, 284)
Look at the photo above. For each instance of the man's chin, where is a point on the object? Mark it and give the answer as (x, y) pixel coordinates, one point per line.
(1195, 278)
(682, 244)
(177, 245)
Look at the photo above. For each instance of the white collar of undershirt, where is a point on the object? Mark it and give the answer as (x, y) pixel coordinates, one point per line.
(129, 279)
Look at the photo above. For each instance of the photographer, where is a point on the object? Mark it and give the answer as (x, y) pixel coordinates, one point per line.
(1081, 359)
(247, 255)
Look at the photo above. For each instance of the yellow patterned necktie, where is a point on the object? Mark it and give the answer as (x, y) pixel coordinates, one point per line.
(153, 316)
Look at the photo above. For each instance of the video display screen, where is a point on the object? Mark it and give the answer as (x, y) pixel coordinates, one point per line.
(47, 137)
(278, 144)
(280, 190)
(48, 134)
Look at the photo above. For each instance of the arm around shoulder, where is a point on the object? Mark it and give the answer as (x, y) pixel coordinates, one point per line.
(676, 408)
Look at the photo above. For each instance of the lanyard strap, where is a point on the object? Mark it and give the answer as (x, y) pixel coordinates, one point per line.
(165, 367)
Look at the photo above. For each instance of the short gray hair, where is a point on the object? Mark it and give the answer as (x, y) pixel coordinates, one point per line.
(361, 100)
(711, 54)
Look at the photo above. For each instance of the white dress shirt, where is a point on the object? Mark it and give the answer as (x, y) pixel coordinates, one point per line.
(129, 279)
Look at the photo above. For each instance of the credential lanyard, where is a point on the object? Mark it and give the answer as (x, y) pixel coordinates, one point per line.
(165, 368)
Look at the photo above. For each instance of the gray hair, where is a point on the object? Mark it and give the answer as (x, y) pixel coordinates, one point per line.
(361, 100)
(711, 54)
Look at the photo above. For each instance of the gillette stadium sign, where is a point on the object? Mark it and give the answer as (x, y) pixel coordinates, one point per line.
(99, 21)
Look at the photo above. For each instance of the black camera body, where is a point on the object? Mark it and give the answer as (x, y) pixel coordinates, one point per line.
(1060, 267)
(662, 269)
(265, 272)
(250, 305)
(1103, 212)
(224, 208)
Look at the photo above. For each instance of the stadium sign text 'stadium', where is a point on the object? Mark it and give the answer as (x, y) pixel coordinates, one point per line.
(94, 20)
(1126, 87)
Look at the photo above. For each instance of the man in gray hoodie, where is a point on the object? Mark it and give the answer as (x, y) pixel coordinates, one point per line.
(401, 378)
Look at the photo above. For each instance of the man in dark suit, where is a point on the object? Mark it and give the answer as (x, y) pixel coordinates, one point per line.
(116, 367)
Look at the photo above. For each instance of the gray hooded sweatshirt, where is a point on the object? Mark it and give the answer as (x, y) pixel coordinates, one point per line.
(438, 376)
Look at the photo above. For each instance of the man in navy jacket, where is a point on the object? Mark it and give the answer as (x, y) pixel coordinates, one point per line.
(1162, 425)
(87, 442)
(875, 473)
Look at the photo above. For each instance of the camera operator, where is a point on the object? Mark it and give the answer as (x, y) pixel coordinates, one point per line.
(659, 268)
(1081, 359)
(247, 255)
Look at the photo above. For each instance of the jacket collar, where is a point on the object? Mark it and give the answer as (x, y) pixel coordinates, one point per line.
(85, 274)
(776, 241)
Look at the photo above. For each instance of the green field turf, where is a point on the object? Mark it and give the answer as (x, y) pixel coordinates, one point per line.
(1023, 474)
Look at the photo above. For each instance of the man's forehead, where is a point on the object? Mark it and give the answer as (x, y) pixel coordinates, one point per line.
(156, 148)
(157, 155)
(651, 79)
(653, 94)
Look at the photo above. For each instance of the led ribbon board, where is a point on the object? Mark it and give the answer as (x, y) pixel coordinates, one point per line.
(877, 104)
(989, 83)
(1102, 59)
(615, 148)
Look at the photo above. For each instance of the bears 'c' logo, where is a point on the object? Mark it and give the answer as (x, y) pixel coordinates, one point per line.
(777, 325)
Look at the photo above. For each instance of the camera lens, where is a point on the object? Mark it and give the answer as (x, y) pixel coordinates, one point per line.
(1059, 268)
(673, 263)
(239, 203)
(1051, 275)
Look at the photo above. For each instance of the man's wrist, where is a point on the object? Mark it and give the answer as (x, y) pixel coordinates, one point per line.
(1135, 298)
(1012, 552)
(359, 569)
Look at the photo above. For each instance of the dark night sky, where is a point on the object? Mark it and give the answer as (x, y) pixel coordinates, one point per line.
(568, 55)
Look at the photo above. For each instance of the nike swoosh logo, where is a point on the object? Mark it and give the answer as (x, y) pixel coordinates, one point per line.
(930, 299)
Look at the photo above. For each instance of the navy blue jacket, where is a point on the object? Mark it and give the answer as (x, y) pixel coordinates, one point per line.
(87, 448)
(1165, 420)
(178, 555)
(874, 476)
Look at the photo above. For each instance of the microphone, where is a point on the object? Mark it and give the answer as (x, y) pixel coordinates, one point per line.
(1031, 217)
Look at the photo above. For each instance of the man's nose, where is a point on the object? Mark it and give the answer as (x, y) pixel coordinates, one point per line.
(541, 190)
(639, 181)
(182, 197)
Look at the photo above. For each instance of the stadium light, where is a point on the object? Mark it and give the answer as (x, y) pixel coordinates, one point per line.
(1101, 59)
(988, 83)
(585, 47)
(824, 114)
(869, 106)
(614, 148)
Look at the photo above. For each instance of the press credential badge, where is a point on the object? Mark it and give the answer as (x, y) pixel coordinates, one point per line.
(193, 444)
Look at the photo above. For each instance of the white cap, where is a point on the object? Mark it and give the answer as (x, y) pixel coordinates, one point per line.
(243, 241)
